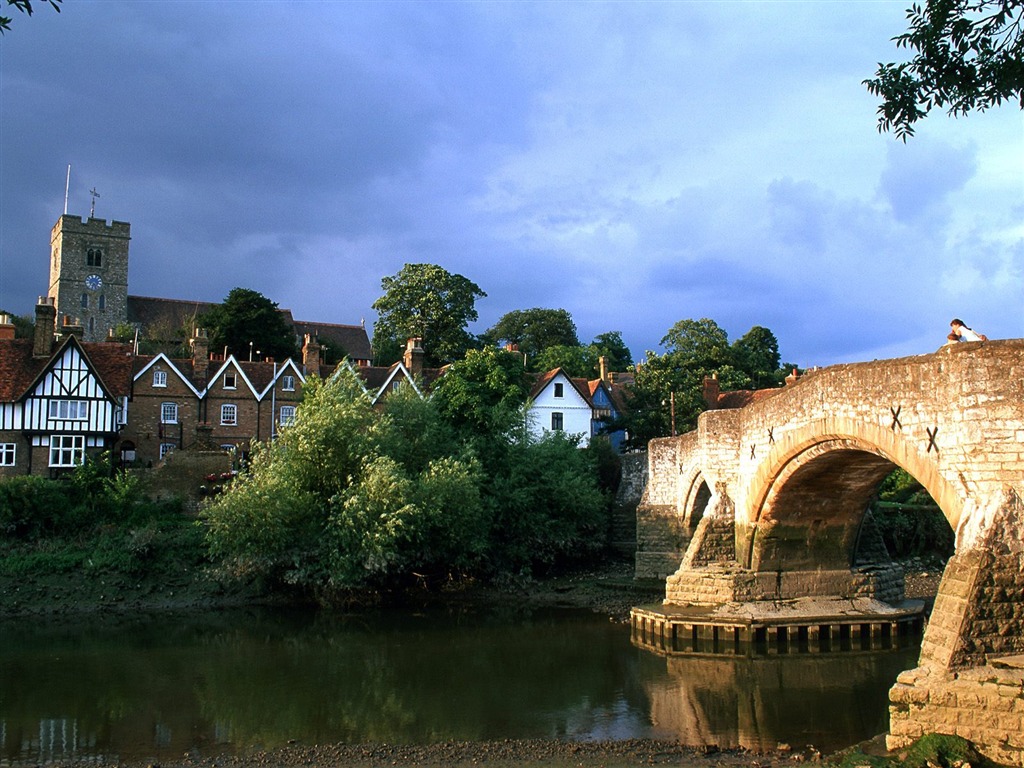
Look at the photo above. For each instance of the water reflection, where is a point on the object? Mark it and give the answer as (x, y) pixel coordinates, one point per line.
(154, 687)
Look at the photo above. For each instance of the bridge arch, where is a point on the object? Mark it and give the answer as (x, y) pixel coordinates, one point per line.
(806, 501)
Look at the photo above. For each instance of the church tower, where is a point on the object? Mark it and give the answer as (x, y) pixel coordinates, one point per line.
(89, 273)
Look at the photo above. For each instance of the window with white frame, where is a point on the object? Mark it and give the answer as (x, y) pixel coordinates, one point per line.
(230, 380)
(67, 450)
(168, 413)
(288, 383)
(159, 378)
(559, 389)
(229, 414)
(69, 410)
(287, 415)
(8, 454)
(166, 448)
(557, 422)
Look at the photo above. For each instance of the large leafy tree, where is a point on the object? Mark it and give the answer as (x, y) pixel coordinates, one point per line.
(756, 353)
(534, 330)
(483, 394)
(429, 302)
(578, 362)
(247, 322)
(967, 56)
(611, 346)
(669, 388)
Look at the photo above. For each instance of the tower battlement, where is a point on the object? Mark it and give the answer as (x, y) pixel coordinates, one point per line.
(91, 226)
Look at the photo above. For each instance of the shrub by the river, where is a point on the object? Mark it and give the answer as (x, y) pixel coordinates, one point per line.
(353, 497)
(94, 519)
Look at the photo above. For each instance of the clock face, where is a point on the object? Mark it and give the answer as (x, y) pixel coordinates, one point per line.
(93, 282)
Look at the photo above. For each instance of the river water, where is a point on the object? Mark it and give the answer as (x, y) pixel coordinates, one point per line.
(155, 687)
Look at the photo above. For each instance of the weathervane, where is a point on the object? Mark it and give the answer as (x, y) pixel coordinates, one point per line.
(92, 208)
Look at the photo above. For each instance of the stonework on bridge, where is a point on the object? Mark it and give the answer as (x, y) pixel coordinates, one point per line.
(769, 503)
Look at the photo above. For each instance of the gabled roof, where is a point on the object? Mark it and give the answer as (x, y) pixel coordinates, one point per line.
(244, 369)
(182, 368)
(544, 379)
(20, 370)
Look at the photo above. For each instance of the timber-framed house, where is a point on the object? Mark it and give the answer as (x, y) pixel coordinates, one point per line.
(60, 399)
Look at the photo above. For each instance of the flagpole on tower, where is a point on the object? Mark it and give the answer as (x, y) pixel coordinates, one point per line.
(67, 185)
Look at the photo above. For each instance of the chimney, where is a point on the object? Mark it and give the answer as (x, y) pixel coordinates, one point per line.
(791, 379)
(413, 357)
(711, 391)
(6, 327)
(602, 363)
(311, 354)
(200, 354)
(46, 319)
(71, 326)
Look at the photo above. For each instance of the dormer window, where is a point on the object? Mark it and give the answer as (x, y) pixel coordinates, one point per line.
(288, 383)
(94, 257)
(159, 378)
(559, 389)
(230, 381)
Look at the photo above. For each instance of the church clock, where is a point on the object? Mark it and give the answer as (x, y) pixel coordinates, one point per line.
(94, 282)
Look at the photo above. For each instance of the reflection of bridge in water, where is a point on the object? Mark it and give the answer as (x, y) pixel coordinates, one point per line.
(765, 507)
(829, 701)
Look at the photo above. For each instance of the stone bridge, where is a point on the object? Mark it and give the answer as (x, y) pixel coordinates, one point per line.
(767, 504)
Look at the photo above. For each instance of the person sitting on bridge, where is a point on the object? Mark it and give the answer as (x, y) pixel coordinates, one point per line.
(963, 333)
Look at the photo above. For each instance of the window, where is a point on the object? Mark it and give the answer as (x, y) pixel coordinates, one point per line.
(559, 389)
(94, 257)
(103, 302)
(168, 413)
(85, 301)
(159, 378)
(229, 414)
(166, 448)
(230, 381)
(67, 450)
(8, 453)
(287, 415)
(288, 383)
(556, 422)
(69, 410)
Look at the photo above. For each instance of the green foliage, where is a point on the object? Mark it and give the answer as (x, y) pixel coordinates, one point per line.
(577, 362)
(548, 508)
(674, 381)
(247, 321)
(483, 395)
(428, 302)
(534, 330)
(967, 57)
(25, 6)
(24, 327)
(911, 523)
(756, 353)
(31, 507)
(933, 750)
(611, 346)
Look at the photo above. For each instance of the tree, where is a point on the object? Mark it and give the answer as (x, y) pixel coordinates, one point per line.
(483, 394)
(534, 330)
(672, 384)
(25, 6)
(248, 322)
(577, 362)
(425, 301)
(614, 348)
(24, 327)
(756, 353)
(968, 57)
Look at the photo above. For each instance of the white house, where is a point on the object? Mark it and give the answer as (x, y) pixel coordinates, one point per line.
(559, 403)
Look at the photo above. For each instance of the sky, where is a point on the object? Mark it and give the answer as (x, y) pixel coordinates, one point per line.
(635, 163)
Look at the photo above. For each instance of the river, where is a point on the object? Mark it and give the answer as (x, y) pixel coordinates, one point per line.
(153, 687)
